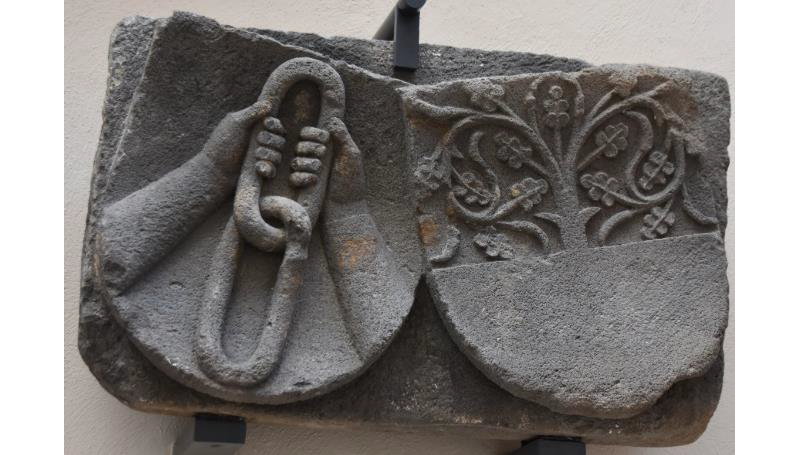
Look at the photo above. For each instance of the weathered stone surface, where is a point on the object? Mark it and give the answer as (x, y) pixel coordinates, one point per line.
(544, 171)
(602, 331)
(171, 82)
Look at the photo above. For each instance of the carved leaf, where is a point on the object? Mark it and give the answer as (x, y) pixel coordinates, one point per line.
(556, 108)
(612, 140)
(433, 112)
(657, 223)
(547, 216)
(646, 136)
(698, 201)
(530, 190)
(450, 247)
(601, 187)
(612, 222)
(656, 170)
(473, 191)
(429, 175)
(494, 244)
(533, 229)
(510, 150)
(623, 83)
(485, 94)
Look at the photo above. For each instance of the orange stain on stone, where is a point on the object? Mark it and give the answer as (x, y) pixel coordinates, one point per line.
(428, 230)
(354, 250)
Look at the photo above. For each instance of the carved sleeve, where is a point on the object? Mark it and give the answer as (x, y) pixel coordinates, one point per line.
(137, 231)
(367, 276)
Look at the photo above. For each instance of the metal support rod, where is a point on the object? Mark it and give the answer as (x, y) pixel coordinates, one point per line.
(551, 446)
(402, 27)
(211, 435)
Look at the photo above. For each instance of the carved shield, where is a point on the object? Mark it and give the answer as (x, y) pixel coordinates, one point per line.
(210, 303)
(571, 257)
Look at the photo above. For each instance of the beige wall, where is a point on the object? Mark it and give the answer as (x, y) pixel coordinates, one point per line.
(694, 34)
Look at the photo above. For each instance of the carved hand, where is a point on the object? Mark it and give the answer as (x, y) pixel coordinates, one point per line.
(310, 150)
(347, 183)
(228, 142)
(270, 151)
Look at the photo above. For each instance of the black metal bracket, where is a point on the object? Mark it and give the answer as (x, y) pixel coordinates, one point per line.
(402, 27)
(212, 434)
(551, 446)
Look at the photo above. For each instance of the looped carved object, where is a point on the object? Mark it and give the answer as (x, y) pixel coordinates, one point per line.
(248, 223)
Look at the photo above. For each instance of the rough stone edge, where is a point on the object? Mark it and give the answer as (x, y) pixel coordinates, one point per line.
(429, 55)
(131, 37)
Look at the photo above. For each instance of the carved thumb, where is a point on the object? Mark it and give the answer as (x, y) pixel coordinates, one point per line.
(347, 176)
(251, 114)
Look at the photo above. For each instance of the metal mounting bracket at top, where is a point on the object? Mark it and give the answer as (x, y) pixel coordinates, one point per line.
(402, 27)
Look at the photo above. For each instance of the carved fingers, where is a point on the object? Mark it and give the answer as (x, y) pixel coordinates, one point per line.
(228, 142)
(307, 164)
(270, 147)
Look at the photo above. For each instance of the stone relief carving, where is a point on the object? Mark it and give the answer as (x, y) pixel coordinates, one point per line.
(552, 149)
(269, 216)
(563, 174)
(263, 262)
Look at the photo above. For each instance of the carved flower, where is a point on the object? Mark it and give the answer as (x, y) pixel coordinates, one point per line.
(473, 191)
(656, 170)
(495, 245)
(510, 150)
(612, 139)
(485, 94)
(601, 187)
(556, 108)
(657, 223)
(531, 190)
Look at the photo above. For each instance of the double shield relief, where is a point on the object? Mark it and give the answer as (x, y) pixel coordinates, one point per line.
(570, 233)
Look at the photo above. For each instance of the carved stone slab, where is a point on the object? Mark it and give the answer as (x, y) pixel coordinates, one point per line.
(575, 241)
(340, 343)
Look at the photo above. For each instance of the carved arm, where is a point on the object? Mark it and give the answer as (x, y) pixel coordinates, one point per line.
(138, 230)
(362, 265)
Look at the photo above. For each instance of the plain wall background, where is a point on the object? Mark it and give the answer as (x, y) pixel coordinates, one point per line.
(696, 34)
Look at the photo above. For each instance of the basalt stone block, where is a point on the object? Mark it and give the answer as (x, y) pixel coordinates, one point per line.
(280, 228)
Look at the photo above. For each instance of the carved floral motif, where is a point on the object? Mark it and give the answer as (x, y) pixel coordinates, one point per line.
(495, 245)
(625, 157)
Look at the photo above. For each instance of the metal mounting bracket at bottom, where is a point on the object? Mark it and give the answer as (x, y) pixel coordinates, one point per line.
(211, 435)
(551, 446)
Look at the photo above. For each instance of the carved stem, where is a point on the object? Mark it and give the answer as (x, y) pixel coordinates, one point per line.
(533, 135)
(671, 187)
